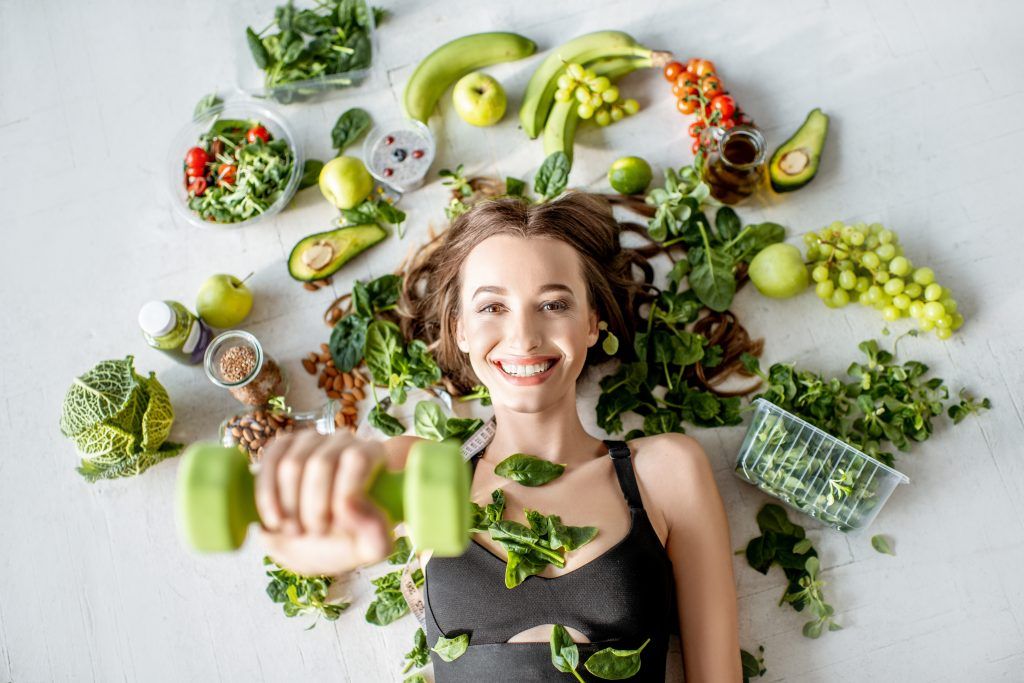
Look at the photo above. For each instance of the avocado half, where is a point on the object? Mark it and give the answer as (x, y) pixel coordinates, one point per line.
(795, 162)
(316, 256)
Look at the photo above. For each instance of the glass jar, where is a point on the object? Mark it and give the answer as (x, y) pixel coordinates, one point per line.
(236, 361)
(735, 165)
(252, 430)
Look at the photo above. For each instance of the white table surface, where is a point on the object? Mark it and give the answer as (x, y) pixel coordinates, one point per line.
(926, 100)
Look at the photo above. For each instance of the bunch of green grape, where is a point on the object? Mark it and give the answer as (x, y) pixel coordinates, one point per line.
(866, 263)
(597, 97)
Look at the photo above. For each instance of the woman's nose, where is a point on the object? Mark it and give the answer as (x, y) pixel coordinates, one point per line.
(524, 333)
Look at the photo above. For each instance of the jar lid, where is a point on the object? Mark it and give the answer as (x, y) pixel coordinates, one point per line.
(157, 318)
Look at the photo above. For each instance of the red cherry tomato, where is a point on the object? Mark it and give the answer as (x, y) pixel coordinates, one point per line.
(196, 157)
(696, 128)
(700, 67)
(257, 132)
(726, 123)
(724, 105)
(711, 86)
(672, 69)
(695, 147)
(197, 187)
(226, 175)
(686, 105)
(683, 90)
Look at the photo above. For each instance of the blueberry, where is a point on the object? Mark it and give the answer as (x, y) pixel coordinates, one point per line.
(399, 154)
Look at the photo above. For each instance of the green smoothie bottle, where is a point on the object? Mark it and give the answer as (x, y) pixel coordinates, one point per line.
(171, 328)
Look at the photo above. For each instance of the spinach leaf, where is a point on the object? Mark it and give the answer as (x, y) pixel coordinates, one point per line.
(753, 666)
(753, 239)
(565, 655)
(615, 665)
(481, 518)
(881, 544)
(429, 421)
(383, 344)
(388, 424)
(401, 552)
(389, 603)
(552, 176)
(712, 279)
(528, 470)
(461, 428)
(419, 655)
(256, 47)
(302, 594)
(450, 649)
(415, 678)
(310, 173)
(349, 127)
(348, 339)
(514, 187)
(205, 104)
(727, 223)
(384, 292)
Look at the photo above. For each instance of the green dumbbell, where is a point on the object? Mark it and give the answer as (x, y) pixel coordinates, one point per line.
(216, 497)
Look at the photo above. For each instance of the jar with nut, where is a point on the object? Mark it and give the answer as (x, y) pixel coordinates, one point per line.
(236, 361)
(251, 431)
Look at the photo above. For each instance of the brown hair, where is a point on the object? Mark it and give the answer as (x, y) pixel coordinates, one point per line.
(430, 303)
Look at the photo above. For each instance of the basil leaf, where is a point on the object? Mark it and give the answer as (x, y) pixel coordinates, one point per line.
(565, 655)
(429, 421)
(310, 173)
(552, 176)
(349, 127)
(528, 470)
(450, 649)
(348, 339)
(712, 280)
(881, 544)
(386, 423)
(256, 47)
(615, 665)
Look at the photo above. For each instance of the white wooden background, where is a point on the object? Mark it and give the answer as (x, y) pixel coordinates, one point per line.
(926, 100)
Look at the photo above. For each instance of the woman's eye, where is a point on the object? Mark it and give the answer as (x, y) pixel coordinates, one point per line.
(489, 308)
(556, 306)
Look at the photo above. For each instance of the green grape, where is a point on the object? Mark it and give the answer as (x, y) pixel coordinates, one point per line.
(845, 232)
(610, 94)
(891, 313)
(857, 239)
(874, 294)
(603, 117)
(883, 301)
(631, 106)
(589, 75)
(585, 111)
(566, 82)
(916, 309)
(901, 301)
(899, 266)
(894, 286)
(924, 276)
(600, 84)
(862, 284)
(847, 280)
(826, 250)
(926, 324)
(913, 290)
(933, 292)
(812, 252)
(582, 94)
(944, 333)
(596, 102)
(881, 277)
(949, 304)
(576, 71)
(840, 298)
(870, 260)
(563, 95)
(617, 112)
(871, 242)
(945, 322)
(810, 239)
(824, 289)
(886, 251)
(885, 236)
(876, 228)
(958, 321)
(862, 299)
(820, 273)
(933, 310)
(840, 253)
(835, 226)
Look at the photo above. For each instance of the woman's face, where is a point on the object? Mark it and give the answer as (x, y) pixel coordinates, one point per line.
(526, 323)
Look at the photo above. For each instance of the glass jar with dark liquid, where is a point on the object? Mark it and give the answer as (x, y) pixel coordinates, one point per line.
(735, 164)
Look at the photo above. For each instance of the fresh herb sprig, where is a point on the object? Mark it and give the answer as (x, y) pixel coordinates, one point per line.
(389, 602)
(419, 656)
(302, 594)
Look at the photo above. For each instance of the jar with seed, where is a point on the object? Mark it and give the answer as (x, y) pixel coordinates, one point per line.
(236, 361)
(253, 430)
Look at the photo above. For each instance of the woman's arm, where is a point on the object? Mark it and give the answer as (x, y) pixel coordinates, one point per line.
(681, 484)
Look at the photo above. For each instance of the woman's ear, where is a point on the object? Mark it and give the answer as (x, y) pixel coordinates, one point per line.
(460, 338)
(593, 332)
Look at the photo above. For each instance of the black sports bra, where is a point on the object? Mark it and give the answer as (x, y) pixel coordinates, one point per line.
(619, 599)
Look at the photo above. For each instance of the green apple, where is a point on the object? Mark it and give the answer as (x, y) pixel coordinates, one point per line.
(778, 271)
(479, 99)
(345, 182)
(224, 301)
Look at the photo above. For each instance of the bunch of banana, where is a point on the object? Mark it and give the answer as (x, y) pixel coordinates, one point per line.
(455, 59)
(589, 50)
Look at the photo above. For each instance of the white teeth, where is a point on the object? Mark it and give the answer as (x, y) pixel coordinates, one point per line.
(525, 370)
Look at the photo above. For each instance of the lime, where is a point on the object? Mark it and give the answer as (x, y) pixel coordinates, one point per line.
(629, 175)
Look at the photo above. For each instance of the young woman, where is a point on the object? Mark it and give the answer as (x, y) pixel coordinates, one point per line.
(510, 296)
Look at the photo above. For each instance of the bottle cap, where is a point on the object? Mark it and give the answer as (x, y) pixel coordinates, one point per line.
(157, 318)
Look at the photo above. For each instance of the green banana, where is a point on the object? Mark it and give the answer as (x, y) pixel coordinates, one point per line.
(455, 59)
(540, 91)
(560, 129)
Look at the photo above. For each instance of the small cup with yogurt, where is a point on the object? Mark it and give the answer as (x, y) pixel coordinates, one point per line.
(398, 153)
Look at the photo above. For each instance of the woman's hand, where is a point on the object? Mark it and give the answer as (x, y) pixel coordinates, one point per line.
(311, 497)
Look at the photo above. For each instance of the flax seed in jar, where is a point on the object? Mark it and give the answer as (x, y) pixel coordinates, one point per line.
(236, 361)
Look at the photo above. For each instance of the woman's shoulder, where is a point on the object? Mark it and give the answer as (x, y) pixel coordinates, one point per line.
(671, 466)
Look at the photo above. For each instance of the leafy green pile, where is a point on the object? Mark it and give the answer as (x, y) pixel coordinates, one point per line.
(302, 594)
(118, 418)
(531, 548)
(332, 39)
(389, 603)
(550, 181)
(609, 664)
(885, 402)
(786, 544)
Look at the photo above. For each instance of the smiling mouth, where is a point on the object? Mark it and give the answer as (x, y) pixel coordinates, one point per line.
(526, 370)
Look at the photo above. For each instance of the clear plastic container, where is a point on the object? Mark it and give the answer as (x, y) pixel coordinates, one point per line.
(188, 137)
(252, 80)
(399, 153)
(253, 429)
(813, 472)
(405, 413)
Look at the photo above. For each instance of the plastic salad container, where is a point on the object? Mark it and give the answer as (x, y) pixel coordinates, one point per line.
(813, 472)
(189, 137)
(254, 80)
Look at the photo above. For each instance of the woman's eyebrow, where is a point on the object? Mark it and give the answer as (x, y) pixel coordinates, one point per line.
(550, 287)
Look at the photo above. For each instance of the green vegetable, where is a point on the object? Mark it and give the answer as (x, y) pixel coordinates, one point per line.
(419, 655)
(349, 127)
(402, 551)
(387, 424)
(552, 176)
(967, 406)
(753, 665)
(481, 518)
(450, 649)
(479, 392)
(881, 544)
(343, 244)
(514, 187)
(310, 173)
(120, 419)
(615, 665)
(375, 211)
(205, 104)
(302, 594)
(528, 470)
(347, 341)
(415, 678)
(430, 422)
(388, 601)
(565, 655)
